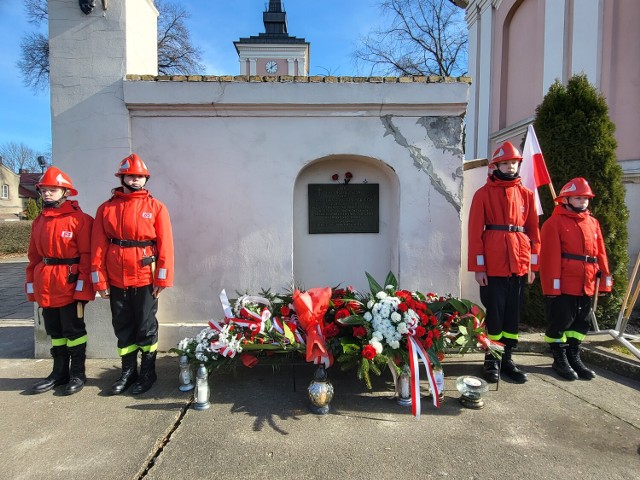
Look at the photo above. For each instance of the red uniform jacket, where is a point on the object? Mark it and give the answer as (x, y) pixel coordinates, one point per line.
(131, 216)
(503, 253)
(63, 232)
(567, 231)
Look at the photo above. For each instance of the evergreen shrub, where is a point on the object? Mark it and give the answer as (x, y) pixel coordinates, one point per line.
(577, 139)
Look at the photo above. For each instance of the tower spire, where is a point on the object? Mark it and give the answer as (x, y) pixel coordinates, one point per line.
(275, 19)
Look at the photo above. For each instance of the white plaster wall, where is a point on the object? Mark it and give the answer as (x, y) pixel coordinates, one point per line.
(228, 174)
(141, 34)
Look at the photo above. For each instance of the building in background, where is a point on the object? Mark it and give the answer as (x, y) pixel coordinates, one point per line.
(273, 52)
(518, 48)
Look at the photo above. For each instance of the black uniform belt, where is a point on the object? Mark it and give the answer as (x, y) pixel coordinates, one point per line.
(582, 258)
(60, 261)
(132, 243)
(505, 228)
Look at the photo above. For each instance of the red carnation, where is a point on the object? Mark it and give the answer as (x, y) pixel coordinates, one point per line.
(420, 331)
(428, 343)
(335, 177)
(331, 330)
(348, 175)
(436, 334)
(403, 307)
(359, 332)
(342, 313)
(285, 311)
(369, 352)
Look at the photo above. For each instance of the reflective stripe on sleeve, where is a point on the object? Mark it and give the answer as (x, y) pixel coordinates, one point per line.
(556, 284)
(79, 285)
(609, 281)
(480, 259)
(162, 274)
(29, 287)
(95, 277)
(534, 259)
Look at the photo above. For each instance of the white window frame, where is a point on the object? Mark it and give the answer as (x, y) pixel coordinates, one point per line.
(5, 191)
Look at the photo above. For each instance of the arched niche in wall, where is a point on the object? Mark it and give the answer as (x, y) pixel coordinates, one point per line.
(329, 259)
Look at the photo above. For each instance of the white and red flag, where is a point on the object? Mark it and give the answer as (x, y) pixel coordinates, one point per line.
(534, 171)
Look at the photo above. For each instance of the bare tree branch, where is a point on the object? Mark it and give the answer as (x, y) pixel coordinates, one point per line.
(176, 52)
(420, 37)
(18, 156)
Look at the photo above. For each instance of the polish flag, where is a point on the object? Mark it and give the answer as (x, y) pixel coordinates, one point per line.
(534, 171)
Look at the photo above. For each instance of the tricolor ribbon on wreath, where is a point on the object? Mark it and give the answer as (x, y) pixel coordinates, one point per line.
(417, 350)
(254, 322)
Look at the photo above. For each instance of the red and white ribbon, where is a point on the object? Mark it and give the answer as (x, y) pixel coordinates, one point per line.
(415, 350)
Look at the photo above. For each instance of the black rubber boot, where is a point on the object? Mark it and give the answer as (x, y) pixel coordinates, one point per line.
(147, 373)
(78, 378)
(573, 356)
(560, 362)
(491, 368)
(129, 373)
(510, 369)
(59, 374)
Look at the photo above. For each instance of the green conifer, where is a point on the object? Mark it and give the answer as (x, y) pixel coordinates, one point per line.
(577, 139)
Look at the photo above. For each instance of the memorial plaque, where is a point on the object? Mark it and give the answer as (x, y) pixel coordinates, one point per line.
(344, 208)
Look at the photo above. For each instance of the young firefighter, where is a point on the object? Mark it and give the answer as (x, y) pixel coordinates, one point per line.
(572, 258)
(131, 263)
(504, 240)
(58, 278)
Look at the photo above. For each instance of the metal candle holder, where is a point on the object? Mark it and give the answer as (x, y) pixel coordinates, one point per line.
(201, 392)
(320, 392)
(471, 390)
(186, 379)
(403, 387)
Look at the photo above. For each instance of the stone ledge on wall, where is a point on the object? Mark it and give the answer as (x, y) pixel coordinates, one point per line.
(295, 79)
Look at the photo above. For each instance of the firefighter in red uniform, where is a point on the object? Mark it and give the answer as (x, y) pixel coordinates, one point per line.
(131, 263)
(58, 278)
(572, 259)
(504, 241)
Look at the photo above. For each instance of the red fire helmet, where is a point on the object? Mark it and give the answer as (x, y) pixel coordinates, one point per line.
(577, 187)
(54, 177)
(506, 151)
(132, 165)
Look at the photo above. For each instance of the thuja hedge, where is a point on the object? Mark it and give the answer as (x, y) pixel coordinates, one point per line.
(577, 139)
(14, 237)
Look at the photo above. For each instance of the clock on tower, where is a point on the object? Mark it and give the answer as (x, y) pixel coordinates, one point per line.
(271, 66)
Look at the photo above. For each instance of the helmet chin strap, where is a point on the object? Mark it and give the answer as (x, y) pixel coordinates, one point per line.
(131, 187)
(506, 176)
(575, 209)
(57, 203)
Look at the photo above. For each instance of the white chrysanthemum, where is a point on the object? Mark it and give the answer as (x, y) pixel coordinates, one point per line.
(389, 287)
(377, 345)
(182, 345)
(370, 304)
(402, 328)
(396, 317)
(381, 295)
(394, 344)
(376, 335)
(367, 316)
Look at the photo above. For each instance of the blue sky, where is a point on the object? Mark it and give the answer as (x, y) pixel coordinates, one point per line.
(331, 26)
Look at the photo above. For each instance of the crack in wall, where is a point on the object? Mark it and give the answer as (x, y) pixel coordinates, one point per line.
(424, 163)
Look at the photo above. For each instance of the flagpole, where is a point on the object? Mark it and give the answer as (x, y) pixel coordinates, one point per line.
(553, 191)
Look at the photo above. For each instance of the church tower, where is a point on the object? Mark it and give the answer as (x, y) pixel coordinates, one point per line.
(273, 52)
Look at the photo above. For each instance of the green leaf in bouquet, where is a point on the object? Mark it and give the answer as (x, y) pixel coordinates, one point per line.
(460, 340)
(463, 330)
(352, 320)
(391, 280)
(460, 307)
(349, 345)
(373, 285)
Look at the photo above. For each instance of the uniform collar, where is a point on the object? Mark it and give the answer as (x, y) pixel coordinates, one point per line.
(67, 207)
